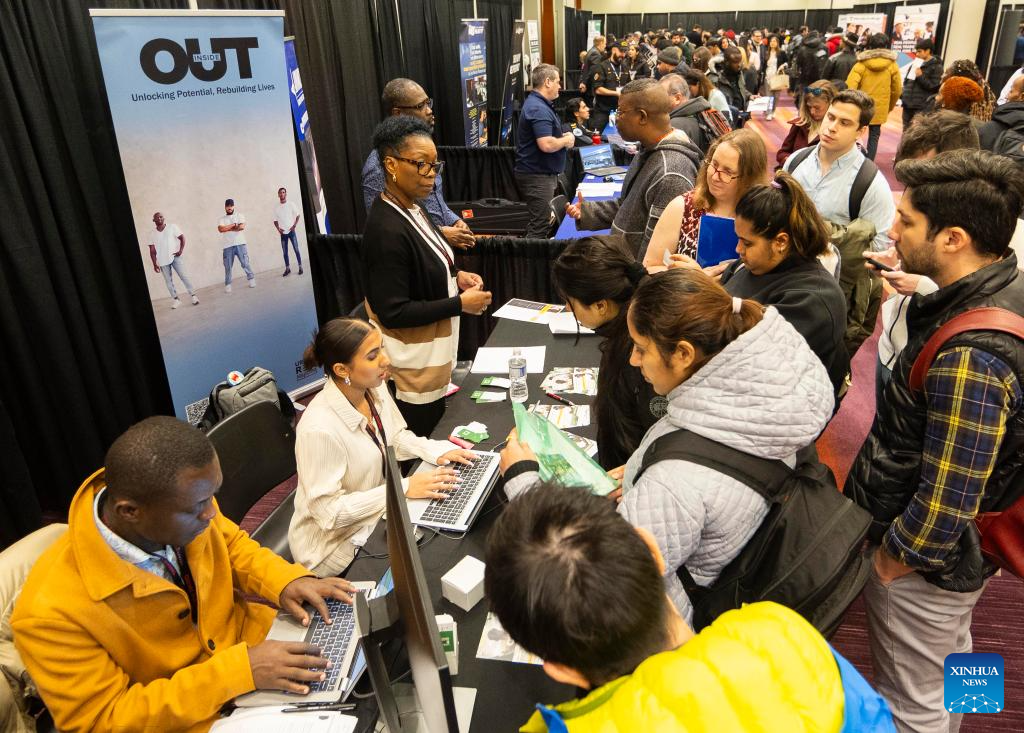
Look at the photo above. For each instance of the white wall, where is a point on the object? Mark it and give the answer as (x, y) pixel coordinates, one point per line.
(682, 6)
(964, 29)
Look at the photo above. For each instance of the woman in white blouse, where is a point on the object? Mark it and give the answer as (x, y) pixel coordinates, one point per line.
(339, 449)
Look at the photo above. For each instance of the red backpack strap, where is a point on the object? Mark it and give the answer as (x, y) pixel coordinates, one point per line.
(976, 319)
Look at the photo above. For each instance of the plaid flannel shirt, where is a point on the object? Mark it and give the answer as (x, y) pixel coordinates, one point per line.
(971, 395)
(373, 186)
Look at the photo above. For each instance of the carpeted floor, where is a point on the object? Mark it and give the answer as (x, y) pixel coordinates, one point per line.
(997, 617)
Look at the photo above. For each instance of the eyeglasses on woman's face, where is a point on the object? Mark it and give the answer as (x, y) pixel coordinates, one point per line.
(422, 167)
(724, 174)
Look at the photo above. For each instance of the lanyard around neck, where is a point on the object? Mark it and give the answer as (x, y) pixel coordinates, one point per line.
(429, 235)
(379, 442)
(184, 579)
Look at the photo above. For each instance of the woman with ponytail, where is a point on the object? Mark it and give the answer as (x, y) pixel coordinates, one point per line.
(733, 372)
(340, 443)
(597, 276)
(781, 236)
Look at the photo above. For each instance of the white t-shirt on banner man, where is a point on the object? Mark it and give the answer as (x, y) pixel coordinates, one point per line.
(285, 215)
(166, 243)
(230, 238)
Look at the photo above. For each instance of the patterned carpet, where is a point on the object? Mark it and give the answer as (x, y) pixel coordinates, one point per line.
(997, 617)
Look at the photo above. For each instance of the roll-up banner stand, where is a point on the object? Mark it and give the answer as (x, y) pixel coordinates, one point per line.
(531, 51)
(473, 70)
(512, 94)
(863, 23)
(912, 23)
(593, 31)
(199, 101)
(304, 133)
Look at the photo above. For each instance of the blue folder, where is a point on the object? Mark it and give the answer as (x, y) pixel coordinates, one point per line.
(716, 240)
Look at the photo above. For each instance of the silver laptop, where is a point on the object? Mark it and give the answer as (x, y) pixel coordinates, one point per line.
(337, 641)
(457, 512)
(598, 160)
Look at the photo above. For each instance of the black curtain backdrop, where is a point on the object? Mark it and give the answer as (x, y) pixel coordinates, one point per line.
(475, 173)
(655, 21)
(575, 38)
(620, 24)
(499, 14)
(509, 267)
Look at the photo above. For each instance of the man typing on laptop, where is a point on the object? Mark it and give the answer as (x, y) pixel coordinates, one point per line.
(136, 619)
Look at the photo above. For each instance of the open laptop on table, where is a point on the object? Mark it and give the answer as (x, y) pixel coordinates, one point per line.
(598, 160)
(338, 641)
(460, 509)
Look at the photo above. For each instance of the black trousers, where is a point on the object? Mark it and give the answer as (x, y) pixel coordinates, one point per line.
(598, 120)
(538, 189)
(421, 419)
(908, 116)
(874, 132)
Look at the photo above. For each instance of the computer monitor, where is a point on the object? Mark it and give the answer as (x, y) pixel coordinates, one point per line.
(407, 611)
(597, 156)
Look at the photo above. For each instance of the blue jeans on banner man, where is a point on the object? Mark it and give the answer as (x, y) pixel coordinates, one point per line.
(242, 253)
(179, 268)
(295, 245)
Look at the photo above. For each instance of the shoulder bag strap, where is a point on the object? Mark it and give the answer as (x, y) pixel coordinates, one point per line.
(861, 184)
(977, 319)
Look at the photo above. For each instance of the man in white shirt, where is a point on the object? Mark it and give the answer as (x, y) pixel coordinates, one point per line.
(166, 243)
(286, 218)
(231, 228)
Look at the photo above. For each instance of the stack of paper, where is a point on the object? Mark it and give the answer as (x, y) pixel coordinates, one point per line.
(566, 323)
(572, 380)
(270, 719)
(530, 311)
(564, 416)
(494, 359)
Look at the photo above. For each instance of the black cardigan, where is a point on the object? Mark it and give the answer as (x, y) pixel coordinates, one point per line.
(405, 282)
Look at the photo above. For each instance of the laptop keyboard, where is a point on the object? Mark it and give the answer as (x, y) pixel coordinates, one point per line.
(448, 511)
(333, 640)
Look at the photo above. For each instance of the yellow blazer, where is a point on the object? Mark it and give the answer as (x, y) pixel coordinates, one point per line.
(113, 648)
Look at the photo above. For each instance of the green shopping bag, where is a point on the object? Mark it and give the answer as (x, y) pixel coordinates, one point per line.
(560, 459)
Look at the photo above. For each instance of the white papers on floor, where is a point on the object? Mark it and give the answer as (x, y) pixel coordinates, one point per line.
(595, 190)
(530, 311)
(494, 359)
(564, 416)
(571, 380)
(497, 645)
(565, 322)
(270, 719)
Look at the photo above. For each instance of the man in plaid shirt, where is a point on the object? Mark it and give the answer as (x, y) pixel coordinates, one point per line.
(936, 458)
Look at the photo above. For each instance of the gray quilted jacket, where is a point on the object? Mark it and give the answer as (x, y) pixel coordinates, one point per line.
(766, 394)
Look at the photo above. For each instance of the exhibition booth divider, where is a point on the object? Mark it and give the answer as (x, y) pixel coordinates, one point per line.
(510, 268)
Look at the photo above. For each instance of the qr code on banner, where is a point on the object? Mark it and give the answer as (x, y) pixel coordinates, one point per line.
(194, 412)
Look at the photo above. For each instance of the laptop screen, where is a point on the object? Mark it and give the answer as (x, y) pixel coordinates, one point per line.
(596, 156)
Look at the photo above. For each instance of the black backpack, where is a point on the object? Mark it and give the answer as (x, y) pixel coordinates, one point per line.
(861, 183)
(1010, 143)
(712, 126)
(807, 552)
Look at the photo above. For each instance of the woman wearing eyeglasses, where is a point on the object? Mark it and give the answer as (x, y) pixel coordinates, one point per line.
(735, 162)
(803, 131)
(414, 291)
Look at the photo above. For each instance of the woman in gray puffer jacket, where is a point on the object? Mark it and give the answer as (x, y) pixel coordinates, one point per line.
(734, 372)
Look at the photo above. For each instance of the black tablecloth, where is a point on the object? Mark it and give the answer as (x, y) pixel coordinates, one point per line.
(506, 692)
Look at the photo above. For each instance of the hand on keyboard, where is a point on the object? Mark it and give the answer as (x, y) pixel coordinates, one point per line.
(465, 457)
(436, 484)
(313, 591)
(286, 665)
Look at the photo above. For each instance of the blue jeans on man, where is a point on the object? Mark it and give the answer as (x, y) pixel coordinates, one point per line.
(240, 251)
(179, 268)
(295, 246)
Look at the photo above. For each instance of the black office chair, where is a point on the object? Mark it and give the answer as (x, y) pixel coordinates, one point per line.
(558, 204)
(565, 186)
(256, 447)
(273, 531)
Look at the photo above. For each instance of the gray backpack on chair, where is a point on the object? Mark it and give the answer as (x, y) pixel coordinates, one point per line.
(258, 385)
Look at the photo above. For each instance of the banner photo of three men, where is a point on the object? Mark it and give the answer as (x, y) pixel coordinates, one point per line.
(201, 109)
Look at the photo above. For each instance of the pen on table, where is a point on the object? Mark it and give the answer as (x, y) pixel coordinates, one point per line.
(324, 708)
(561, 399)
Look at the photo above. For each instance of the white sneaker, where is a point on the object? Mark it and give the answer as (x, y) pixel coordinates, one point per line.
(195, 299)
(175, 303)
(227, 288)
(252, 283)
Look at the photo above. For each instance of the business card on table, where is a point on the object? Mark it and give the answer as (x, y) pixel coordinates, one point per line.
(480, 396)
(499, 382)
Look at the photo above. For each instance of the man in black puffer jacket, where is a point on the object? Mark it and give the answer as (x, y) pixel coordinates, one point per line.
(939, 455)
(921, 83)
(839, 64)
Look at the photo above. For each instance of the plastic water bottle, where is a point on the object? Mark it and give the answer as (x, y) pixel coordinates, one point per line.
(517, 391)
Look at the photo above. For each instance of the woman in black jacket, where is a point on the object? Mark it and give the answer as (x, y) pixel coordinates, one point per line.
(597, 277)
(414, 291)
(635, 65)
(781, 236)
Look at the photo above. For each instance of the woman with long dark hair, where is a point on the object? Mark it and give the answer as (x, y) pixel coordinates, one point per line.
(597, 276)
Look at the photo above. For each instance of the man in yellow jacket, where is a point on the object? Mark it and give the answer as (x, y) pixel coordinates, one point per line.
(574, 583)
(135, 619)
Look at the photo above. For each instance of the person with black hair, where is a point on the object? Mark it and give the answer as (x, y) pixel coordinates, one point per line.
(414, 291)
(945, 449)
(339, 446)
(878, 76)
(573, 583)
(597, 276)
(578, 113)
(634, 64)
(841, 63)
(406, 97)
(922, 81)
(781, 235)
(137, 619)
(706, 352)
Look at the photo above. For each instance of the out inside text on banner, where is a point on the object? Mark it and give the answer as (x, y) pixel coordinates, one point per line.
(200, 104)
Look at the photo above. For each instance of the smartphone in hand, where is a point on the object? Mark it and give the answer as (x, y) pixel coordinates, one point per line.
(878, 265)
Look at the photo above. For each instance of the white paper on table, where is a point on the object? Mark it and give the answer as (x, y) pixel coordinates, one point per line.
(564, 416)
(530, 311)
(496, 644)
(601, 188)
(494, 359)
(759, 105)
(270, 719)
(566, 323)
